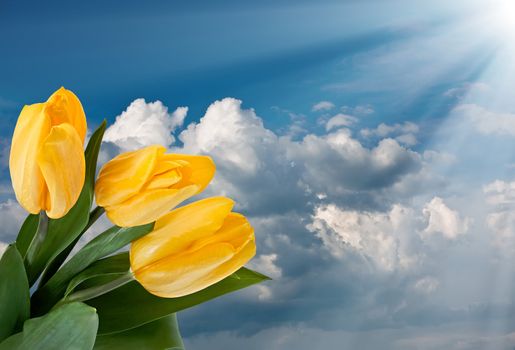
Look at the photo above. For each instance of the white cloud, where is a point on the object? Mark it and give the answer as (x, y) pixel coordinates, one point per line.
(143, 124)
(404, 133)
(384, 238)
(322, 106)
(392, 240)
(486, 122)
(230, 133)
(249, 156)
(443, 220)
(340, 120)
(266, 263)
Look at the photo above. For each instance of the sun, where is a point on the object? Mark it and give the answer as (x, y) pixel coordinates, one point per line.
(503, 17)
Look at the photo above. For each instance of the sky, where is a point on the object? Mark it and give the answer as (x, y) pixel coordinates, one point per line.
(370, 144)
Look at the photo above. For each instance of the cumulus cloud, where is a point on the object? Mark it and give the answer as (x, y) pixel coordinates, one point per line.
(379, 237)
(286, 171)
(391, 240)
(443, 220)
(143, 124)
(322, 106)
(325, 207)
(404, 133)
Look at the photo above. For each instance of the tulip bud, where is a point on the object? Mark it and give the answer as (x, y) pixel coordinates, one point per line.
(192, 247)
(136, 188)
(47, 162)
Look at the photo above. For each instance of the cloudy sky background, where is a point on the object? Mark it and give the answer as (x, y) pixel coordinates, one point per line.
(371, 144)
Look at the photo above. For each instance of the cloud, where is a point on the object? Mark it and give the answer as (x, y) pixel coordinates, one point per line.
(11, 217)
(327, 208)
(403, 133)
(443, 220)
(322, 106)
(485, 121)
(500, 195)
(465, 89)
(391, 240)
(143, 124)
(382, 238)
(340, 120)
(426, 285)
(361, 110)
(286, 171)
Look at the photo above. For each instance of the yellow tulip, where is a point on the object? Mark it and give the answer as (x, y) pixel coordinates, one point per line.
(138, 187)
(192, 247)
(47, 154)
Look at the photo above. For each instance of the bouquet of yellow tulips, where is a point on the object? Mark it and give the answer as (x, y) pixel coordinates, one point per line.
(105, 297)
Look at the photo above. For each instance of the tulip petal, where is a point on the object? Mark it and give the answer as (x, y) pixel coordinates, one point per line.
(224, 270)
(62, 164)
(177, 230)
(165, 165)
(31, 130)
(169, 276)
(65, 107)
(164, 180)
(125, 175)
(235, 230)
(200, 170)
(148, 206)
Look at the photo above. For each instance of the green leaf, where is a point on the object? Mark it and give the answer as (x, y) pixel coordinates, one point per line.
(102, 271)
(54, 265)
(104, 244)
(64, 231)
(14, 293)
(69, 327)
(160, 334)
(131, 305)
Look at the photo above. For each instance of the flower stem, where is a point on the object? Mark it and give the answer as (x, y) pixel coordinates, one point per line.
(37, 240)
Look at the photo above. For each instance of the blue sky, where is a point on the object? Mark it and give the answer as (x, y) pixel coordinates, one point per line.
(369, 143)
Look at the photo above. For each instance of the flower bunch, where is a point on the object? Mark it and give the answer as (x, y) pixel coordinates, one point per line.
(103, 296)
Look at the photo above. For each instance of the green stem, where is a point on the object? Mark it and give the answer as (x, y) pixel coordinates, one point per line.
(93, 292)
(94, 215)
(37, 241)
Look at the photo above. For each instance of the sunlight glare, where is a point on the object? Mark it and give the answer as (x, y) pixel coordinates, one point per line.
(504, 18)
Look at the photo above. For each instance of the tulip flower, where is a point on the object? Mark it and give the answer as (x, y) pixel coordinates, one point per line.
(47, 162)
(138, 187)
(192, 247)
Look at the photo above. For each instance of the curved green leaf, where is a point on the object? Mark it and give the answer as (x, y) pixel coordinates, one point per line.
(160, 334)
(131, 305)
(104, 244)
(64, 231)
(69, 327)
(14, 293)
(104, 270)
